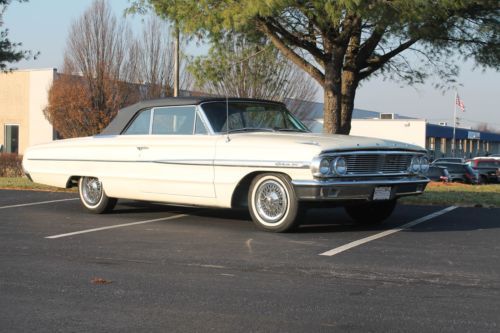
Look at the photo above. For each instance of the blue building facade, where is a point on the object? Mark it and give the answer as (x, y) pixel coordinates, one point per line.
(468, 143)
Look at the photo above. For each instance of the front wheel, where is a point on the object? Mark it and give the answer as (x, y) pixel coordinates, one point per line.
(371, 212)
(92, 196)
(272, 203)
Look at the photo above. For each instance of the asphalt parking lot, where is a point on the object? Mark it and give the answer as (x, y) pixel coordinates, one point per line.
(151, 267)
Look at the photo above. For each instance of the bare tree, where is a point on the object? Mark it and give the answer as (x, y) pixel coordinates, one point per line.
(98, 50)
(106, 68)
(485, 127)
(240, 67)
(154, 55)
(97, 66)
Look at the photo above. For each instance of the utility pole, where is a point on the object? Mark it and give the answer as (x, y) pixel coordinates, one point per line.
(454, 124)
(176, 61)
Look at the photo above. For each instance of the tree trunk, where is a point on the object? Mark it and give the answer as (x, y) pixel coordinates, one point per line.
(331, 102)
(339, 103)
(346, 78)
(349, 86)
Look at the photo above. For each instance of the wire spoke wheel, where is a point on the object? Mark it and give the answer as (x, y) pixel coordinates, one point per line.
(91, 190)
(272, 202)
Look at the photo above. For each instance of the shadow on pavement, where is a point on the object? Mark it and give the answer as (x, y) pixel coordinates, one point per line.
(336, 220)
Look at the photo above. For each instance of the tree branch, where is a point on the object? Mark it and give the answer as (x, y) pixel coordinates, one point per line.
(264, 27)
(370, 44)
(277, 28)
(377, 62)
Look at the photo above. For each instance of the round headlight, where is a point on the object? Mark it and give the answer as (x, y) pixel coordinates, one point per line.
(324, 167)
(339, 166)
(415, 164)
(424, 164)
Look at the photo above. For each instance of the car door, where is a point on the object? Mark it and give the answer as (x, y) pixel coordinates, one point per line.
(177, 157)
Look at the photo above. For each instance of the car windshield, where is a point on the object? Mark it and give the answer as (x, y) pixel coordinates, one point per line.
(251, 116)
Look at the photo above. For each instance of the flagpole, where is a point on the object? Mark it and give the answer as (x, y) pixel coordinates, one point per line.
(454, 124)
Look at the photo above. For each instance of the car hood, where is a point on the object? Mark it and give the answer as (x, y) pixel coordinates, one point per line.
(323, 142)
(299, 146)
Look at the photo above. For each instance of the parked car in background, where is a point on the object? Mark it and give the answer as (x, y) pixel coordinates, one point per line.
(460, 172)
(438, 174)
(231, 153)
(488, 169)
(449, 159)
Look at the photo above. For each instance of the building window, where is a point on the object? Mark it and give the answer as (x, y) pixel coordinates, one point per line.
(432, 143)
(443, 145)
(11, 139)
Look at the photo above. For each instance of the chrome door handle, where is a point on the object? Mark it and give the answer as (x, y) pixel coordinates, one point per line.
(142, 148)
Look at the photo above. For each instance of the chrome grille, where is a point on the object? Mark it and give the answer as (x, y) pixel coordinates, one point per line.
(376, 164)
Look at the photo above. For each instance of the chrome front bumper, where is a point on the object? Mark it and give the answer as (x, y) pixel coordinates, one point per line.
(357, 189)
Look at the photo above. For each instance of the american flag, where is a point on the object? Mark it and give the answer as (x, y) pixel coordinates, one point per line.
(460, 103)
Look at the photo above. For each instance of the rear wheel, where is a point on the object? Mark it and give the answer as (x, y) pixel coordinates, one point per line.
(93, 197)
(371, 212)
(272, 203)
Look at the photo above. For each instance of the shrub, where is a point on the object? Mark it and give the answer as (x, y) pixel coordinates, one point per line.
(11, 165)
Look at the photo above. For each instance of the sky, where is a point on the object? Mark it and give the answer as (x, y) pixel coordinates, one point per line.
(43, 25)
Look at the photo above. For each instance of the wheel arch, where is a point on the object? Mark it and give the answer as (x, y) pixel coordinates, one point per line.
(239, 198)
(73, 181)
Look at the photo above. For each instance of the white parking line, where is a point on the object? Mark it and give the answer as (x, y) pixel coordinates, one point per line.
(37, 203)
(362, 241)
(116, 226)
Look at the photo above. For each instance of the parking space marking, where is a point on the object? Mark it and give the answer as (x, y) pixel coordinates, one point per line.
(37, 203)
(117, 226)
(362, 241)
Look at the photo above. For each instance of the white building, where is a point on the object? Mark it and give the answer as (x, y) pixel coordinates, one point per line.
(437, 139)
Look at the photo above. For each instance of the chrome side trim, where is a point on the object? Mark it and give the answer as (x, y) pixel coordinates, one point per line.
(241, 163)
(223, 163)
(81, 160)
(267, 164)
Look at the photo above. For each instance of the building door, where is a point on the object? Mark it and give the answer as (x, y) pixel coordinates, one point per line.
(11, 139)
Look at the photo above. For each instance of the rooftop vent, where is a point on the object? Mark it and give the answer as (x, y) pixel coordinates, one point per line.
(387, 116)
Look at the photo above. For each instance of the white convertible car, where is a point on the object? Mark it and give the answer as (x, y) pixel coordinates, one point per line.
(231, 153)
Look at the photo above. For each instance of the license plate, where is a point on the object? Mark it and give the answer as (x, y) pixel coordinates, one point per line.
(382, 193)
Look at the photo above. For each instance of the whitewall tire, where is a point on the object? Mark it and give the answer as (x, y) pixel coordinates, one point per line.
(93, 197)
(272, 203)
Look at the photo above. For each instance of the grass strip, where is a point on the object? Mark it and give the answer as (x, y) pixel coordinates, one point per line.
(23, 183)
(458, 194)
